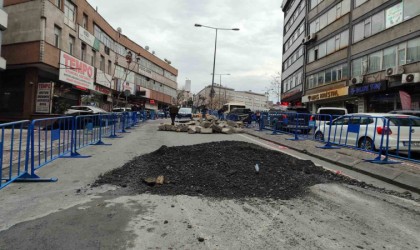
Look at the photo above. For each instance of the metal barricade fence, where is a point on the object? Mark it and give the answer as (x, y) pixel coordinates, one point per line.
(400, 139)
(50, 139)
(14, 151)
(87, 130)
(108, 125)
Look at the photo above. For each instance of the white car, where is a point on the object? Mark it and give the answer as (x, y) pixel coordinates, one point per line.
(84, 110)
(366, 130)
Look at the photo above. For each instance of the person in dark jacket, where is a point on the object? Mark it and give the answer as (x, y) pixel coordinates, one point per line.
(173, 111)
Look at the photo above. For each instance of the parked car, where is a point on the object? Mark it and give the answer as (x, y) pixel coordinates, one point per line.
(325, 113)
(238, 114)
(84, 110)
(121, 109)
(185, 113)
(293, 119)
(365, 130)
(87, 121)
(406, 112)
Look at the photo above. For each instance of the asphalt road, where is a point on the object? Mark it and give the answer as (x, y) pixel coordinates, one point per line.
(71, 215)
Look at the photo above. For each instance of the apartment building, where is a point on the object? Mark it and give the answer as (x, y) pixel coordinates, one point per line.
(252, 100)
(3, 26)
(63, 52)
(363, 55)
(294, 32)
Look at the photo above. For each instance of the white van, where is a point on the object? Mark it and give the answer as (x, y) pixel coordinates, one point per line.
(325, 112)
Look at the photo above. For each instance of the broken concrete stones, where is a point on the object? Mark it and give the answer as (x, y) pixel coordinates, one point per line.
(205, 127)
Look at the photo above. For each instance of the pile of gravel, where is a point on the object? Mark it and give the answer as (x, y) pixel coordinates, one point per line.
(221, 169)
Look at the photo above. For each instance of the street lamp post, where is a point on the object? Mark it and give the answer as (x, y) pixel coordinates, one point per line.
(214, 58)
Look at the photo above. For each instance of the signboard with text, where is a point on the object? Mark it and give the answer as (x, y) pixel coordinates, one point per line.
(367, 88)
(103, 79)
(43, 98)
(76, 72)
(326, 95)
(88, 38)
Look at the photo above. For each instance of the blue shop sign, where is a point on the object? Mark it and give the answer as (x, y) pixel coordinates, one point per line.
(367, 88)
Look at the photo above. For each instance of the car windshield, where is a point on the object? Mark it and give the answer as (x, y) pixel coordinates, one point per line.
(333, 112)
(404, 121)
(185, 110)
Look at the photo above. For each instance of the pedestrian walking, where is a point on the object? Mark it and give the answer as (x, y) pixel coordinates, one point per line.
(203, 112)
(173, 111)
(220, 113)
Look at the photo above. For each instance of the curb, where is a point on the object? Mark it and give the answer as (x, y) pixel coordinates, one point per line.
(374, 175)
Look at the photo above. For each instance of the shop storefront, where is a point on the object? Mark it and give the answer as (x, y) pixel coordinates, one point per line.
(373, 97)
(331, 98)
(293, 97)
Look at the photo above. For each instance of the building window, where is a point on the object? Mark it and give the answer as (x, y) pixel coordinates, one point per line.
(85, 21)
(70, 11)
(332, 45)
(71, 45)
(333, 14)
(57, 3)
(93, 58)
(328, 76)
(357, 3)
(411, 9)
(390, 57)
(57, 36)
(393, 15)
(413, 51)
(109, 67)
(102, 64)
(83, 54)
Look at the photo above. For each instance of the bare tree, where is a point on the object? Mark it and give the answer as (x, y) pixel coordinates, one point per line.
(275, 86)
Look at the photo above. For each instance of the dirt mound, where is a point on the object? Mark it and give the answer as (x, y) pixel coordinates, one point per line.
(221, 169)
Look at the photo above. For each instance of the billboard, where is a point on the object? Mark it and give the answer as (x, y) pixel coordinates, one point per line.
(76, 72)
(43, 98)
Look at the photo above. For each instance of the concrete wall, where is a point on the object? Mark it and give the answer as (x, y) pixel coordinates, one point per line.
(24, 23)
(3, 26)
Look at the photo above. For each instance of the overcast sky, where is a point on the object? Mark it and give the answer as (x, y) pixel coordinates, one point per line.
(252, 55)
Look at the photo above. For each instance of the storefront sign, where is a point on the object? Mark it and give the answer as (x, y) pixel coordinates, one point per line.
(326, 95)
(75, 71)
(152, 101)
(103, 79)
(123, 86)
(43, 98)
(88, 38)
(367, 88)
(102, 90)
(292, 92)
(143, 92)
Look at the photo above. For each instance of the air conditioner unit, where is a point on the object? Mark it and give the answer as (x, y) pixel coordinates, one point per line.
(357, 80)
(409, 78)
(394, 71)
(309, 38)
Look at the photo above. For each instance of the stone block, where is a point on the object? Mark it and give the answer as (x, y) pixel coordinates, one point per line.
(206, 131)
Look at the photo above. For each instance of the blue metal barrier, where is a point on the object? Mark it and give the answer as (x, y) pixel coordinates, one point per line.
(50, 139)
(14, 151)
(87, 131)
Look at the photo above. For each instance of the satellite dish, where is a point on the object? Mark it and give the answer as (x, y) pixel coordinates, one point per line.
(153, 52)
(119, 30)
(146, 48)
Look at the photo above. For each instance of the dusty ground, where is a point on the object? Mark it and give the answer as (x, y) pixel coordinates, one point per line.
(330, 215)
(223, 170)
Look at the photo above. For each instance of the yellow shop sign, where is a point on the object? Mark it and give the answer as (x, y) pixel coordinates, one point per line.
(326, 95)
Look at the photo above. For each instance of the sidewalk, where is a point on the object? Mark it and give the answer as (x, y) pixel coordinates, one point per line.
(405, 174)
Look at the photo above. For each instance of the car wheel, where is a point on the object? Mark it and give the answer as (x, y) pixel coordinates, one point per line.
(366, 143)
(319, 136)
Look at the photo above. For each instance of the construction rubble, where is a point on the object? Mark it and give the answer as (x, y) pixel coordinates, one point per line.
(209, 126)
